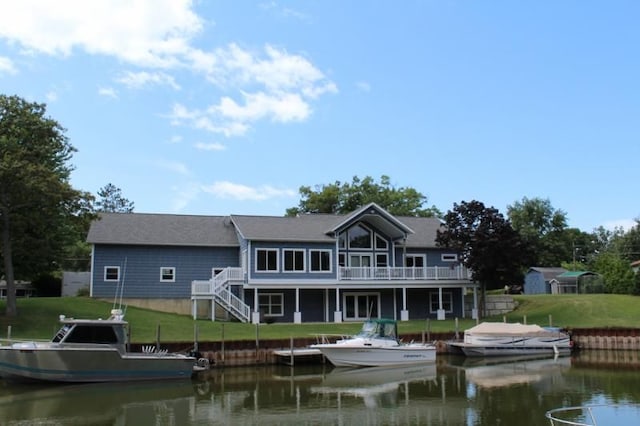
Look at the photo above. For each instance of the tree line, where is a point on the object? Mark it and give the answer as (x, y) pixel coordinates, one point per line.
(44, 220)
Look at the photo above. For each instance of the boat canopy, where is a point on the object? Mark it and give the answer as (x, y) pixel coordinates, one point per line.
(505, 328)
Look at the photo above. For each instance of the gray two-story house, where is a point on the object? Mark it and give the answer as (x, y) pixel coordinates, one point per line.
(308, 268)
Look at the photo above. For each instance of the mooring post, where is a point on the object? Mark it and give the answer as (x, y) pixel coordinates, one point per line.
(158, 338)
(222, 344)
(550, 320)
(195, 337)
(257, 340)
(9, 332)
(291, 345)
(457, 334)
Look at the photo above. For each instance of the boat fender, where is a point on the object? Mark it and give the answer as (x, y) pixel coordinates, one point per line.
(203, 363)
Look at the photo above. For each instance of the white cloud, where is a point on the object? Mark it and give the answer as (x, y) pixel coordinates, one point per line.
(174, 166)
(230, 190)
(157, 36)
(274, 85)
(175, 139)
(183, 196)
(108, 92)
(210, 146)
(7, 66)
(283, 107)
(363, 86)
(143, 32)
(52, 96)
(138, 80)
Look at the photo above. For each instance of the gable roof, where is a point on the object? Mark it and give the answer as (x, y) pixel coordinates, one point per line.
(379, 218)
(162, 229)
(547, 273)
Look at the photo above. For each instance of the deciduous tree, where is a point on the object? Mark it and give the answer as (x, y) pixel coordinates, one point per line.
(342, 198)
(487, 244)
(36, 198)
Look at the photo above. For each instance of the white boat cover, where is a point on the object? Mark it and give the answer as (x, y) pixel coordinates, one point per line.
(507, 329)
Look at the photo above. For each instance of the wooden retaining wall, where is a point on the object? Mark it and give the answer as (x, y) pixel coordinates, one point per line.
(248, 352)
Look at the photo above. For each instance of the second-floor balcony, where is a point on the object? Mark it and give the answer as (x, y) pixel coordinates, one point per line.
(388, 273)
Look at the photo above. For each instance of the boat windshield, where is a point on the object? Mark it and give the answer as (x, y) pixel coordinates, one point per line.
(385, 330)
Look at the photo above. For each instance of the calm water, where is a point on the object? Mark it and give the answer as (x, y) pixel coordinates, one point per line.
(453, 392)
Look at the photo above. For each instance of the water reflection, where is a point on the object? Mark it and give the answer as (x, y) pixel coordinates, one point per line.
(455, 391)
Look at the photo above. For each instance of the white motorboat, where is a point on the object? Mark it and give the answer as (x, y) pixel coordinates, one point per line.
(377, 344)
(85, 350)
(500, 339)
(374, 384)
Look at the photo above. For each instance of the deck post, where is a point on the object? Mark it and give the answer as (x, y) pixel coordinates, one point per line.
(404, 313)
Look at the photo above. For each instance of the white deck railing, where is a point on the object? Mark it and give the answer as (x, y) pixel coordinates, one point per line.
(218, 288)
(428, 273)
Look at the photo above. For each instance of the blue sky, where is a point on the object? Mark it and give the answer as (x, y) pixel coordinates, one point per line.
(228, 107)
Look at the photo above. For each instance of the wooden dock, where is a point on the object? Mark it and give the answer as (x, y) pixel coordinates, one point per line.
(293, 355)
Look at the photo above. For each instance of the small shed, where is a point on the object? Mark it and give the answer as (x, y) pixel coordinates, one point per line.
(574, 282)
(538, 279)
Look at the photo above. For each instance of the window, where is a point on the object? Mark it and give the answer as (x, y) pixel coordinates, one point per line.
(414, 261)
(342, 240)
(271, 304)
(361, 306)
(267, 260)
(359, 237)
(381, 260)
(448, 257)
(293, 260)
(167, 274)
(447, 302)
(320, 260)
(342, 259)
(381, 243)
(112, 273)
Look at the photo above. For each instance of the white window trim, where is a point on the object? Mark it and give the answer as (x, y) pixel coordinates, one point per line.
(173, 274)
(117, 268)
(270, 295)
(356, 295)
(267, 271)
(386, 256)
(320, 271)
(371, 237)
(293, 271)
(445, 295)
(378, 237)
(449, 257)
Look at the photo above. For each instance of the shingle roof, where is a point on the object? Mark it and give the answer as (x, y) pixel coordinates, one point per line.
(165, 229)
(162, 229)
(306, 227)
(317, 227)
(425, 230)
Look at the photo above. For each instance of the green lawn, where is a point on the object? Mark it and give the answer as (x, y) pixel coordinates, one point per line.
(38, 319)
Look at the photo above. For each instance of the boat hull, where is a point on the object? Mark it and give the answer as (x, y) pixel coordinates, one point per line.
(344, 355)
(46, 363)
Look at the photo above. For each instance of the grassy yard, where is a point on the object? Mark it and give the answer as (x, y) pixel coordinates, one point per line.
(38, 319)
